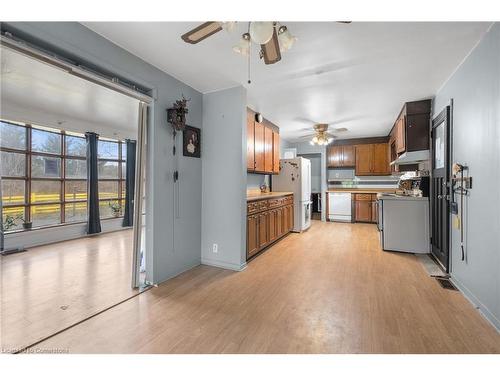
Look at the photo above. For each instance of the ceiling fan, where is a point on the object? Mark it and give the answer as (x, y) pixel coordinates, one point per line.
(273, 37)
(321, 136)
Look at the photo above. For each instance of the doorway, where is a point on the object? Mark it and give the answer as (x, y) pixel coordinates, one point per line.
(316, 177)
(56, 275)
(440, 188)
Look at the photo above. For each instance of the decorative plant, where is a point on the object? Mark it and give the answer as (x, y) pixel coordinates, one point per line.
(11, 221)
(116, 208)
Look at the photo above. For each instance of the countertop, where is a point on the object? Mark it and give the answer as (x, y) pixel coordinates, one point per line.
(400, 197)
(274, 194)
(362, 190)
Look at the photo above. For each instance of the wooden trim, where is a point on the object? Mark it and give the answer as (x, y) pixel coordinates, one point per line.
(360, 141)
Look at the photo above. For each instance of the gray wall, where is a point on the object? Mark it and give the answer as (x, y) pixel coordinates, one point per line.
(306, 148)
(173, 217)
(224, 178)
(475, 90)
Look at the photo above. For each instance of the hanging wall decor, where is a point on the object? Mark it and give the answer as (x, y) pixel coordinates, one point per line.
(191, 142)
(176, 116)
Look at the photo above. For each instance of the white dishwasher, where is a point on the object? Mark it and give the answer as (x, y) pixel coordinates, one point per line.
(339, 206)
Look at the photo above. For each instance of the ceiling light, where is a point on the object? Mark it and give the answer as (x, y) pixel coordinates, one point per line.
(229, 26)
(315, 139)
(261, 32)
(243, 46)
(286, 40)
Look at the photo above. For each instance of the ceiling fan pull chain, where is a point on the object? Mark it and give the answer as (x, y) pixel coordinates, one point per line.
(249, 54)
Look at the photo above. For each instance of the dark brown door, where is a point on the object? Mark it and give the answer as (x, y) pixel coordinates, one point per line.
(259, 147)
(252, 234)
(348, 156)
(250, 141)
(440, 188)
(276, 152)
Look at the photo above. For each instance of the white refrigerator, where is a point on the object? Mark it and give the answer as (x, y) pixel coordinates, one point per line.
(295, 177)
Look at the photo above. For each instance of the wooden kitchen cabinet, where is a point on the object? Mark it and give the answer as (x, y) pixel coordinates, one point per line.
(365, 208)
(372, 159)
(259, 147)
(268, 149)
(364, 154)
(252, 235)
(348, 156)
(276, 152)
(263, 226)
(263, 146)
(341, 156)
(400, 135)
(250, 140)
(268, 220)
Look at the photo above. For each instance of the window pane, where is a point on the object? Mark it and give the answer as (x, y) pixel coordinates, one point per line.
(45, 191)
(76, 168)
(45, 166)
(12, 136)
(106, 209)
(108, 169)
(108, 189)
(43, 141)
(76, 146)
(13, 164)
(107, 150)
(75, 190)
(124, 170)
(124, 189)
(75, 212)
(46, 215)
(124, 151)
(14, 214)
(12, 192)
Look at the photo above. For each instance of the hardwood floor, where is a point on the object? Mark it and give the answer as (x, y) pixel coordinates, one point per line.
(54, 286)
(328, 290)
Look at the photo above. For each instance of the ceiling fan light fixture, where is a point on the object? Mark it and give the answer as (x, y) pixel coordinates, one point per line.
(261, 32)
(285, 38)
(229, 26)
(243, 46)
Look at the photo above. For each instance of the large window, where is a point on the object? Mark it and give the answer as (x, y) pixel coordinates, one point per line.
(44, 175)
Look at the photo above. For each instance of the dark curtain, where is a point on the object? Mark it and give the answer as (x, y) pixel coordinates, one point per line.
(128, 219)
(94, 221)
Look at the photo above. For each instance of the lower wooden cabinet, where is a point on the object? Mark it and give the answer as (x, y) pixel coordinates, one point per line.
(365, 209)
(267, 221)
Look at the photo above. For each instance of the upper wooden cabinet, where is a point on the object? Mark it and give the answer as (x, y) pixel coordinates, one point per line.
(259, 147)
(250, 140)
(372, 159)
(263, 146)
(341, 156)
(276, 152)
(411, 129)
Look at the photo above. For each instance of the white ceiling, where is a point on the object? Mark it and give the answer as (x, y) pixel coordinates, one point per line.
(32, 91)
(354, 75)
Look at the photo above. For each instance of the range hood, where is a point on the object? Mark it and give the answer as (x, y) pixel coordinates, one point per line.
(412, 157)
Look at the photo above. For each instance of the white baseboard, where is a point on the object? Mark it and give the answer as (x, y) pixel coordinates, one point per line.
(492, 319)
(225, 265)
(45, 236)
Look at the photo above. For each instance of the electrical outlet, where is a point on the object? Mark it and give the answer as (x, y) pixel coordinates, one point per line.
(215, 248)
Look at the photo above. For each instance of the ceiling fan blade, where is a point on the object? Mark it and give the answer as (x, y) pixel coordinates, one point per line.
(343, 21)
(271, 50)
(201, 32)
(339, 130)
